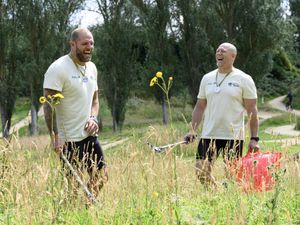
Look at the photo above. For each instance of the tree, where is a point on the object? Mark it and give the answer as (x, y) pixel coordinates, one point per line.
(155, 19)
(9, 49)
(196, 53)
(117, 56)
(295, 14)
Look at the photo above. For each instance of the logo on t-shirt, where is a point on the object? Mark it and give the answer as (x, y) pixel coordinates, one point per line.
(211, 83)
(233, 84)
(85, 79)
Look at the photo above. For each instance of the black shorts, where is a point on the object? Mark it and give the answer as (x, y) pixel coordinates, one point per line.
(85, 154)
(210, 149)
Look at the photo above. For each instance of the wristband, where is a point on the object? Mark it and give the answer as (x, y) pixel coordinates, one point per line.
(94, 118)
(255, 139)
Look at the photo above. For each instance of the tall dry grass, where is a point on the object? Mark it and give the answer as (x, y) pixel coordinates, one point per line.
(143, 188)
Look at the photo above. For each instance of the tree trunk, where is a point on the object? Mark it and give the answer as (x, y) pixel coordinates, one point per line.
(100, 123)
(33, 123)
(114, 111)
(164, 111)
(114, 117)
(115, 126)
(6, 123)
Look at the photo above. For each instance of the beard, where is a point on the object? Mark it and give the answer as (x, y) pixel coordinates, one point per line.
(83, 57)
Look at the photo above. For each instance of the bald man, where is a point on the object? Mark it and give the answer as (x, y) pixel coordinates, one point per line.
(73, 125)
(225, 95)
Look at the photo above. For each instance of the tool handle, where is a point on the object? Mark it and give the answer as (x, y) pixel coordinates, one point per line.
(89, 194)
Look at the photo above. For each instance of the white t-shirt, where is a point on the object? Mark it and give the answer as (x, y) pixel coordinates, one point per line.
(224, 113)
(74, 109)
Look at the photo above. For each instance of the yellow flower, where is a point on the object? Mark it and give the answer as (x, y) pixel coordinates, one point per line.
(42, 99)
(159, 74)
(153, 81)
(155, 194)
(170, 78)
(58, 95)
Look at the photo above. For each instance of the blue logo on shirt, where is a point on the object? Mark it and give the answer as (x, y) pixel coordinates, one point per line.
(233, 84)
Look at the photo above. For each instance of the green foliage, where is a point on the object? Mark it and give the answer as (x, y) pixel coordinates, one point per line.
(117, 55)
(21, 109)
(193, 44)
(283, 72)
(295, 15)
(155, 18)
(296, 94)
(10, 57)
(263, 31)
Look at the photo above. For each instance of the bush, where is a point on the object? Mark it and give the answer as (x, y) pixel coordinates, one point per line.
(296, 95)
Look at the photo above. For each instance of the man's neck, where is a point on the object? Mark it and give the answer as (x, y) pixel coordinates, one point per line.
(225, 70)
(76, 60)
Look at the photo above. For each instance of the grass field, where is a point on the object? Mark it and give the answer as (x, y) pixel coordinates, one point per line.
(143, 187)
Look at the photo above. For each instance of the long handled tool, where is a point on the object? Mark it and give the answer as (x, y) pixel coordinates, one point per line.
(159, 149)
(86, 190)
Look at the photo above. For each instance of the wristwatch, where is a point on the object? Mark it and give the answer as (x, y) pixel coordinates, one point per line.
(255, 139)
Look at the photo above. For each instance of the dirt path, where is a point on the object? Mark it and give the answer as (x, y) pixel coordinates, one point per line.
(277, 103)
(24, 122)
(289, 129)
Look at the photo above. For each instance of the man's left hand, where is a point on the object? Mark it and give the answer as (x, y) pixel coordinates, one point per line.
(91, 127)
(253, 146)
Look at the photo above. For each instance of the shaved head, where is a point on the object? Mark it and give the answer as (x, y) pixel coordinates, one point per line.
(229, 47)
(75, 35)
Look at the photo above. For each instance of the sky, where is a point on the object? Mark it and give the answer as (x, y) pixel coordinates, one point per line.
(87, 18)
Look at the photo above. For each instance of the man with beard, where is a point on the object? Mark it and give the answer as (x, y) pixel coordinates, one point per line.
(73, 124)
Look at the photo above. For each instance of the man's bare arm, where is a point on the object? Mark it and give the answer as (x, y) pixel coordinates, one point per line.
(197, 117)
(198, 112)
(91, 126)
(95, 105)
(250, 106)
(49, 114)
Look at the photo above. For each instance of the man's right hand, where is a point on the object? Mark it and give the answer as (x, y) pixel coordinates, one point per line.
(190, 137)
(57, 144)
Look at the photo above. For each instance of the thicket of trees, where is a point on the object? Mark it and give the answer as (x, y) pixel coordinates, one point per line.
(33, 33)
(139, 38)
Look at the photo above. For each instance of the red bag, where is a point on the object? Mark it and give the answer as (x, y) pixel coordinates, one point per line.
(254, 170)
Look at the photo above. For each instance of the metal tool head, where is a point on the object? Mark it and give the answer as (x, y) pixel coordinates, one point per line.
(154, 148)
(159, 149)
